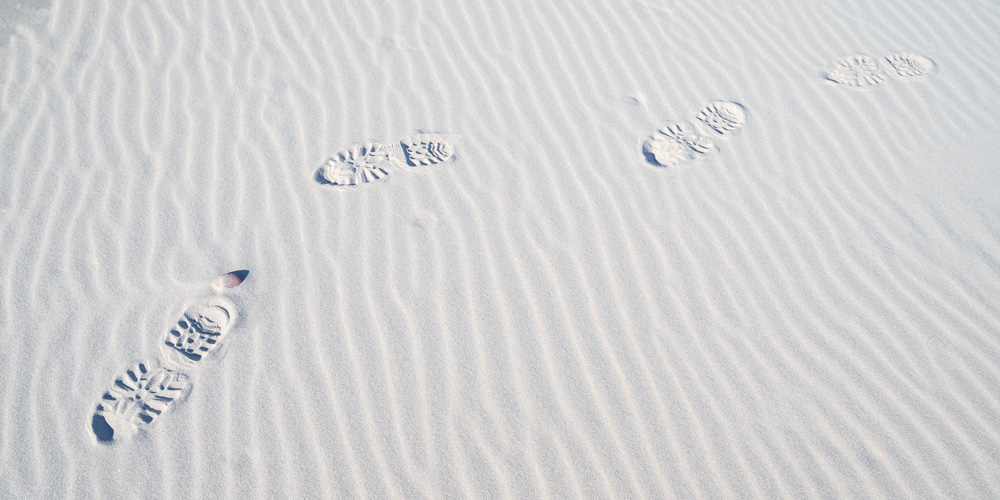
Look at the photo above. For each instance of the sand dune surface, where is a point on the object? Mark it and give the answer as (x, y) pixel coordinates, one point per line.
(517, 249)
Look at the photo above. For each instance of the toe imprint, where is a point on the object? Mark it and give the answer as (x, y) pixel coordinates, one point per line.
(907, 64)
(200, 329)
(426, 149)
(723, 116)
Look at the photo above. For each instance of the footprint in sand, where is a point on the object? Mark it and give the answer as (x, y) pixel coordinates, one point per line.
(426, 149)
(364, 163)
(905, 64)
(677, 143)
(145, 391)
(199, 330)
(862, 70)
(135, 400)
(723, 117)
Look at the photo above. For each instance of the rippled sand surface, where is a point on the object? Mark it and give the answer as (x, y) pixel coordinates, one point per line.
(521, 249)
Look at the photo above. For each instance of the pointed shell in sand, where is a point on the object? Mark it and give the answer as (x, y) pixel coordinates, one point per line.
(229, 280)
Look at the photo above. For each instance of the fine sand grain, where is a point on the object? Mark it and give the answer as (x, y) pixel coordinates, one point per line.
(521, 249)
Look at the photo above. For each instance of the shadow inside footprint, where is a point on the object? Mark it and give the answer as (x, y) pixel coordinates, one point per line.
(651, 158)
(102, 430)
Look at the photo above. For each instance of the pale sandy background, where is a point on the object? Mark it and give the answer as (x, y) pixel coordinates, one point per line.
(809, 311)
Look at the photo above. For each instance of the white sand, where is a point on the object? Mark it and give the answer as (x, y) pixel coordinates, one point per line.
(808, 307)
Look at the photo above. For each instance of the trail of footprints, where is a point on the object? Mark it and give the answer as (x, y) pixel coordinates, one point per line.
(671, 145)
(364, 163)
(862, 70)
(144, 392)
(677, 143)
